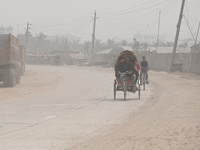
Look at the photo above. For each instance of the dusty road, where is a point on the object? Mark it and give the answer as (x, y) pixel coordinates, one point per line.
(73, 108)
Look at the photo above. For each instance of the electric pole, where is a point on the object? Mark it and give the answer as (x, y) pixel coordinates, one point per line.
(27, 34)
(177, 34)
(197, 34)
(158, 32)
(93, 34)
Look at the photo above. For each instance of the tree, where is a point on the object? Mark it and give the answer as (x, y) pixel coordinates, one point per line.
(124, 43)
(135, 45)
(110, 43)
(145, 45)
(41, 41)
(170, 44)
(75, 44)
(98, 45)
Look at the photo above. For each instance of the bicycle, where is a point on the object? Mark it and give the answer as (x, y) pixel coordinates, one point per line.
(144, 79)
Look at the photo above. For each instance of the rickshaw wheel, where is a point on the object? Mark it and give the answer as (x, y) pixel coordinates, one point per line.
(114, 89)
(124, 96)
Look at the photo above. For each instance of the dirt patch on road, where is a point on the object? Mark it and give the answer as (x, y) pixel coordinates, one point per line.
(170, 119)
(34, 81)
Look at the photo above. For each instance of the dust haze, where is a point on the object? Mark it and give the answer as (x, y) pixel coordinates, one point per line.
(99, 75)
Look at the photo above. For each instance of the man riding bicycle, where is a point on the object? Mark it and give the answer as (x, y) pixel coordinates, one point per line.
(144, 66)
(126, 66)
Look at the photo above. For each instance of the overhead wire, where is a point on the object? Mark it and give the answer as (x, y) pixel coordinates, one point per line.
(145, 15)
(138, 6)
(133, 15)
(113, 21)
(63, 23)
(154, 17)
(165, 10)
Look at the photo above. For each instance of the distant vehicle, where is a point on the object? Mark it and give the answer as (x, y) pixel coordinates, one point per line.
(57, 60)
(9, 60)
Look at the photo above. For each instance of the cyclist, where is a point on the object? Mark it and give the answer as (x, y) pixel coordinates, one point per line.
(144, 66)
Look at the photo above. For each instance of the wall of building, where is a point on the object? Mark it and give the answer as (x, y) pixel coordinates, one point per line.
(161, 61)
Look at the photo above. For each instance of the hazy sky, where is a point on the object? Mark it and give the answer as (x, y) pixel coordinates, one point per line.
(117, 18)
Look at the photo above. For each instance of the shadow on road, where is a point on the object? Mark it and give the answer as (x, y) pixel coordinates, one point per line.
(1, 85)
(121, 99)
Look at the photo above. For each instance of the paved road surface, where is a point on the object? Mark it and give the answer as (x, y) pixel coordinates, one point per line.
(73, 108)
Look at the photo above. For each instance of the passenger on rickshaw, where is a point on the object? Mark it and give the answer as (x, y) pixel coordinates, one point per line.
(136, 65)
(125, 65)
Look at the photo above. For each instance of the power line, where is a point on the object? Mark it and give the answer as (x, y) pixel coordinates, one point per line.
(113, 13)
(75, 28)
(69, 21)
(145, 11)
(144, 24)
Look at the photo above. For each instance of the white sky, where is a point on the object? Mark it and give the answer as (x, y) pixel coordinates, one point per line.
(117, 18)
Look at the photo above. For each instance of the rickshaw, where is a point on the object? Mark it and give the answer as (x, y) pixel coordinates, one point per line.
(125, 85)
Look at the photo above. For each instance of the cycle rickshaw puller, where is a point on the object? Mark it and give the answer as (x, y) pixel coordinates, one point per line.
(126, 72)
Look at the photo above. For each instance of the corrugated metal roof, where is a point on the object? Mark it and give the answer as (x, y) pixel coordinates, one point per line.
(116, 50)
(70, 51)
(77, 56)
(169, 49)
(129, 48)
(107, 51)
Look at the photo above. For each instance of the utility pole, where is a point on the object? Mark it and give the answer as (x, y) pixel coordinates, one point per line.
(27, 34)
(197, 34)
(158, 32)
(177, 34)
(93, 34)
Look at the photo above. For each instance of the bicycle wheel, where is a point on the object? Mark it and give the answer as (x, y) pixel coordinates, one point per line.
(138, 89)
(144, 81)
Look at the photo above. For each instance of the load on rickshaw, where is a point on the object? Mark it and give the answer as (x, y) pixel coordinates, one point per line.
(127, 73)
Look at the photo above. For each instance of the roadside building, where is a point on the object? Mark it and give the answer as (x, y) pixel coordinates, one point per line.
(107, 57)
(73, 57)
(195, 48)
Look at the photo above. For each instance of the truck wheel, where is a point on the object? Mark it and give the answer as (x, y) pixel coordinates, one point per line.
(11, 78)
(5, 80)
(17, 76)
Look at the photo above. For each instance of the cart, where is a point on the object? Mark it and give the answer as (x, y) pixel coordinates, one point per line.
(124, 85)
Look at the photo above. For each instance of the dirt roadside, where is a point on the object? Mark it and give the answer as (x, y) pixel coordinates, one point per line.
(37, 80)
(32, 82)
(170, 118)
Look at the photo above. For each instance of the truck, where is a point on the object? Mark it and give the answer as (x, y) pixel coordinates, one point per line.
(9, 60)
(22, 59)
